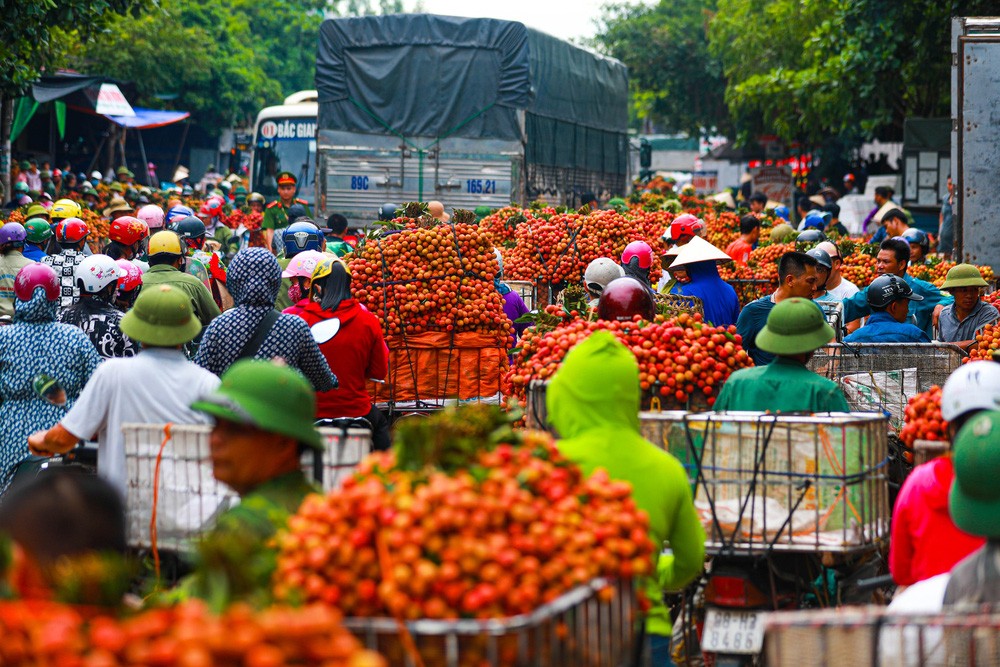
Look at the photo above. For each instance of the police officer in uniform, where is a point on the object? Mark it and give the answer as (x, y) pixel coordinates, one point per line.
(276, 213)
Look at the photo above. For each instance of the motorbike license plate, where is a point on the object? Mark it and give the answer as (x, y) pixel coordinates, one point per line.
(729, 631)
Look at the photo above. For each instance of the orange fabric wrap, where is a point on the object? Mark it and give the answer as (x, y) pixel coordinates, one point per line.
(438, 365)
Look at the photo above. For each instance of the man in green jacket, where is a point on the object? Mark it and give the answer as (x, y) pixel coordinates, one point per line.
(263, 422)
(593, 402)
(165, 259)
(795, 329)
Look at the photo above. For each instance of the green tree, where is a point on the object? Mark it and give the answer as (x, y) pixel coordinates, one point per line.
(32, 39)
(676, 81)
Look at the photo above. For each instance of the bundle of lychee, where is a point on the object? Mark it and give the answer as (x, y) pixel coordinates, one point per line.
(679, 358)
(557, 248)
(935, 270)
(463, 519)
(987, 342)
(993, 299)
(922, 418)
(40, 633)
(430, 276)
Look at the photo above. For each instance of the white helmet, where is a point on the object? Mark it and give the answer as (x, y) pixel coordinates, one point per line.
(499, 256)
(96, 272)
(973, 386)
(600, 272)
(152, 215)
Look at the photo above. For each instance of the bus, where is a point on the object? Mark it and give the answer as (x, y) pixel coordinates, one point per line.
(284, 139)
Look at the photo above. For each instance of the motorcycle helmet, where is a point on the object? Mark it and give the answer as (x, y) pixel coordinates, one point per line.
(65, 208)
(72, 230)
(625, 298)
(128, 230)
(810, 236)
(599, 273)
(301, 235)
(96, 272)
(192, 231)
(387, 212)
(303, 264)
(152, 215)
(34, 276)
(129, 275)
(640, 251)
(13, 232)
(38, 231)
(178, 213)
(972, 386)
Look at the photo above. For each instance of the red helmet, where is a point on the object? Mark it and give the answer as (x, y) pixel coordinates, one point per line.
(212, 207)
(641, 250)
(128, 230)
(685, 225)
(33, 276)
(624, 298)
(72, 230)
(131, 276)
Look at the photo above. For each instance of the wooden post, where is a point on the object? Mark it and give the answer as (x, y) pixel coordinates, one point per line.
(6, 123)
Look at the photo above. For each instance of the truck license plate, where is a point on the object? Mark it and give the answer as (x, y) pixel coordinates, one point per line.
(728, 631)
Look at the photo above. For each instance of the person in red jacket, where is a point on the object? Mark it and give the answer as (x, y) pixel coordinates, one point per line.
(925, 540)
(351, 340)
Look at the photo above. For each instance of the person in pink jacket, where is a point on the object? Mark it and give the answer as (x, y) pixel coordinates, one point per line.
(925, 541)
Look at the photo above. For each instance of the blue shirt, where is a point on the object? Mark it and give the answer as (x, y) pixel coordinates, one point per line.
(752, 319)
(921, 311)
(33, 252)
(883, 328)
(718, 298)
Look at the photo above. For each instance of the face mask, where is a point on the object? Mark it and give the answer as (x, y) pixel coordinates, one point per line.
(295, 292)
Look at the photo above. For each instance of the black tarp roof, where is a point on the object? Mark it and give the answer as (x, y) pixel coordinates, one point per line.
(435, 76)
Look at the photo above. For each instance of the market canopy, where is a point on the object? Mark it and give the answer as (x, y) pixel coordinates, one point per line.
(147, 119)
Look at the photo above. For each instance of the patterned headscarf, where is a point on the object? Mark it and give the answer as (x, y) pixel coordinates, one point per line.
(35, 309)
(254, 278)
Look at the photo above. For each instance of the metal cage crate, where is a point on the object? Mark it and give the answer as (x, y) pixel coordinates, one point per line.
(585, 627)
(186, 496)
(874, 636)
(793, 483)
(883, 377)
(525, 289)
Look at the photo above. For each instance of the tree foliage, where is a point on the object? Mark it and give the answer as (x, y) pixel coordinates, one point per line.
(222, 60)
(676, 82)
(33, 34)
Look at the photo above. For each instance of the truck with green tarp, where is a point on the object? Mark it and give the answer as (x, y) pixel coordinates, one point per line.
(468, 111)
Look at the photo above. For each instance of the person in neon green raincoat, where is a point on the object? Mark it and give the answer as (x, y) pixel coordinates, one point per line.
(593, 402)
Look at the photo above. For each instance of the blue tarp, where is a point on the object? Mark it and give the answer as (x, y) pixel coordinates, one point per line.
(145, 119)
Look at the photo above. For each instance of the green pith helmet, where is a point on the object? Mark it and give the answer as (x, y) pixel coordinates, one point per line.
(795, 326)
(964, 275)
(269, 396)
(162, 316)
(38, 231)
(974, 500)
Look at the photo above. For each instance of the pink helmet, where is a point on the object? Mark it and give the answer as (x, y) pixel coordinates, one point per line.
(130, 276)
(639, 250)
(33, 276)
(302, 265)
(685, 225)
(152, 215)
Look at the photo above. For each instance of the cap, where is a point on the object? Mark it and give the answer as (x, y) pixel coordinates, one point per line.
(162, 316)
(287, 178)
(795, 326)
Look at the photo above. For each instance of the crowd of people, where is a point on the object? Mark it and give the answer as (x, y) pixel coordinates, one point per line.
(180, 318)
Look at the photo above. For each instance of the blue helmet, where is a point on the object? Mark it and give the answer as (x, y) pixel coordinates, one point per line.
(176, 214)
(816, 220)
(300, 236)
(781, 212)
(917, 236)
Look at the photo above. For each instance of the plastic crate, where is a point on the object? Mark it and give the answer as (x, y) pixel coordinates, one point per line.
(873, 636)
(883, 377)
(581, 628)
(795, 483)
(188, 498)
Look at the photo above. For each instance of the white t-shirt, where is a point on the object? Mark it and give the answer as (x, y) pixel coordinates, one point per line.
(845, 290)
(155, 387)
(899, 645)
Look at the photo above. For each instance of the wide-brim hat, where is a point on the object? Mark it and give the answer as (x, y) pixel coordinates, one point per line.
(180, 174)
(963, 275)
(268, 396)
(974, 499)
(115, 205)
(162, 316)
(724, 198)
(699, 250)
(795, 326)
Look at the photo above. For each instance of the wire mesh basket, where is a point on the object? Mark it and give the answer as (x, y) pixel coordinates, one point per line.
(794, 483)
(883, 377)
(590, 626)
(874, 636)
(170, 476)
(833, 312)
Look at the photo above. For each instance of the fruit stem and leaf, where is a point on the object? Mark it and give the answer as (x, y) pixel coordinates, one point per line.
(452, 438)
(461, 216)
